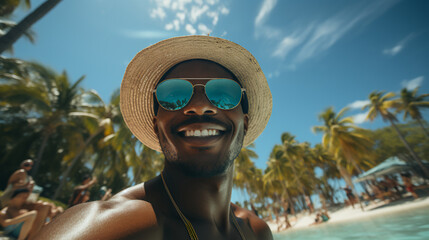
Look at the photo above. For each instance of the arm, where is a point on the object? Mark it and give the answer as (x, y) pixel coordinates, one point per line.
(88, 185)
(21, 218)
(107, 195)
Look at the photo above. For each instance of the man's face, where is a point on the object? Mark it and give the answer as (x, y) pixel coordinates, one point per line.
(202, 156)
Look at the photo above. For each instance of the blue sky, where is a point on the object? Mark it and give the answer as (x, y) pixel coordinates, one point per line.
(315, 54)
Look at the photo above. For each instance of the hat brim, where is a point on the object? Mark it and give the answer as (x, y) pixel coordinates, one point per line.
(150, 64)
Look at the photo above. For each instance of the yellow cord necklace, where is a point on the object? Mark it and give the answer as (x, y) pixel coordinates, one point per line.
(188, 225)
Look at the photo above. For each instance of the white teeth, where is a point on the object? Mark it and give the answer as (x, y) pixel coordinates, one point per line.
(201, 133)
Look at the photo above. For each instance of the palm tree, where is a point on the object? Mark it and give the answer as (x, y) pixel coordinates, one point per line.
(295, 156)
(45, 96)
(247, 176)
(410, 103)
(6, 25)
(379, 105)
(7, 40)
(342, 140)
(326, 162)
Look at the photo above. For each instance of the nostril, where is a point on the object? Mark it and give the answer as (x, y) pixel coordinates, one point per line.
(209, 112)
(190, 112)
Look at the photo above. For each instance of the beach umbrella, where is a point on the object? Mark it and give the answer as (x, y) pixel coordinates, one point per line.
(388, 166)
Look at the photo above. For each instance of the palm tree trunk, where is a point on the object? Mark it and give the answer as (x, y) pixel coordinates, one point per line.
(46, 135)
(423, 127)
(349, 182)
(16, 32)
(413, 154)
(73, 163)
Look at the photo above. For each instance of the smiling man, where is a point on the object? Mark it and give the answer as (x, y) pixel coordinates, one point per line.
(199, 100)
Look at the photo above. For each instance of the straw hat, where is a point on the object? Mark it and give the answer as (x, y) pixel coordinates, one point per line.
(150, 64)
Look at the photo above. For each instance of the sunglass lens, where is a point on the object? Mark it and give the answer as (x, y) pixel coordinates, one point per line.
(223, 93)
(174, 94)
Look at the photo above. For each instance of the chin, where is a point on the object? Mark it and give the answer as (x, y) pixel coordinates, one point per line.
(205, 170)
(203, 164)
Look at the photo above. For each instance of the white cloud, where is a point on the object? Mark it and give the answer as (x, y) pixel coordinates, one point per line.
(191, 30)
(393, 51)
(181, 16)
(186, 14)
(264, 11)
(169, 26)
(359, 118)
(196, 12)
(285, 46)
(215, 16)
(224, 10)
(261, 29)
(398, 47)
(204, 29)
(145, 34)
(358, 104)
(176, 24)
(158, 13)
(413, 83)
(290, 42)
(311, 39)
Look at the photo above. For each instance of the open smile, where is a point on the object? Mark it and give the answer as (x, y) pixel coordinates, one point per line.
(201, 134)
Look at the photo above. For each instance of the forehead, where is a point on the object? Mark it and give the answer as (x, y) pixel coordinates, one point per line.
(198, 68)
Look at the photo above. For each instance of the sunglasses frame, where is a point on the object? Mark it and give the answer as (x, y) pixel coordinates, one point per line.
(193, 90)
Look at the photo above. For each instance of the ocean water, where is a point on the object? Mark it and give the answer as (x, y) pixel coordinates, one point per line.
(405, 225)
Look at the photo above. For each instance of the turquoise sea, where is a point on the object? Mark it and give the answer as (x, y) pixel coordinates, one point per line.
(405, 225)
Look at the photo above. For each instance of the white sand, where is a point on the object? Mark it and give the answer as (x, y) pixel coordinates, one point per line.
(350, 214)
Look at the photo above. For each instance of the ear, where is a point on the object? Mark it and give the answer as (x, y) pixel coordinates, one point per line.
(246, 123)
(155, 125)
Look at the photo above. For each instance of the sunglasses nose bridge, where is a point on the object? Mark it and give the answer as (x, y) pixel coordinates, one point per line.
(199, 104)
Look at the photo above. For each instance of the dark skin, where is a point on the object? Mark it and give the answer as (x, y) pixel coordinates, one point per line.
(198, 173)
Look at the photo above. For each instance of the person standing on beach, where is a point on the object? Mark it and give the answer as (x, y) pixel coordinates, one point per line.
(81, 193)
(350, 196)
(199, 100)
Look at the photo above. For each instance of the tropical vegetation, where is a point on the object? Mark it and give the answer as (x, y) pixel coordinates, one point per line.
(70, 131)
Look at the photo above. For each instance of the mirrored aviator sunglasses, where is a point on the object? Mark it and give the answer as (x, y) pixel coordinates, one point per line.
(175, 94)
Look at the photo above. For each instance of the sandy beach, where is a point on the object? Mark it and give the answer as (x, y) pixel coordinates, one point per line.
(348, 213)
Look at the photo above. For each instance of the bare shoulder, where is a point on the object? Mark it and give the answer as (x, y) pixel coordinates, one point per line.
(119, 217)
(259, 227)
(17, 176)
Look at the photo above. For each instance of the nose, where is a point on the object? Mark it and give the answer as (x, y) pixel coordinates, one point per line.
(199, 104)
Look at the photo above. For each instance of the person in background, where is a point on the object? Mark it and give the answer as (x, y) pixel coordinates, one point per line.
(409, 186)
(81, 193)
(16, 220)
(350, 196)
(20, 179)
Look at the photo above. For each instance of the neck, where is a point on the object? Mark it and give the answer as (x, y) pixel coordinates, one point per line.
(199, 198)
